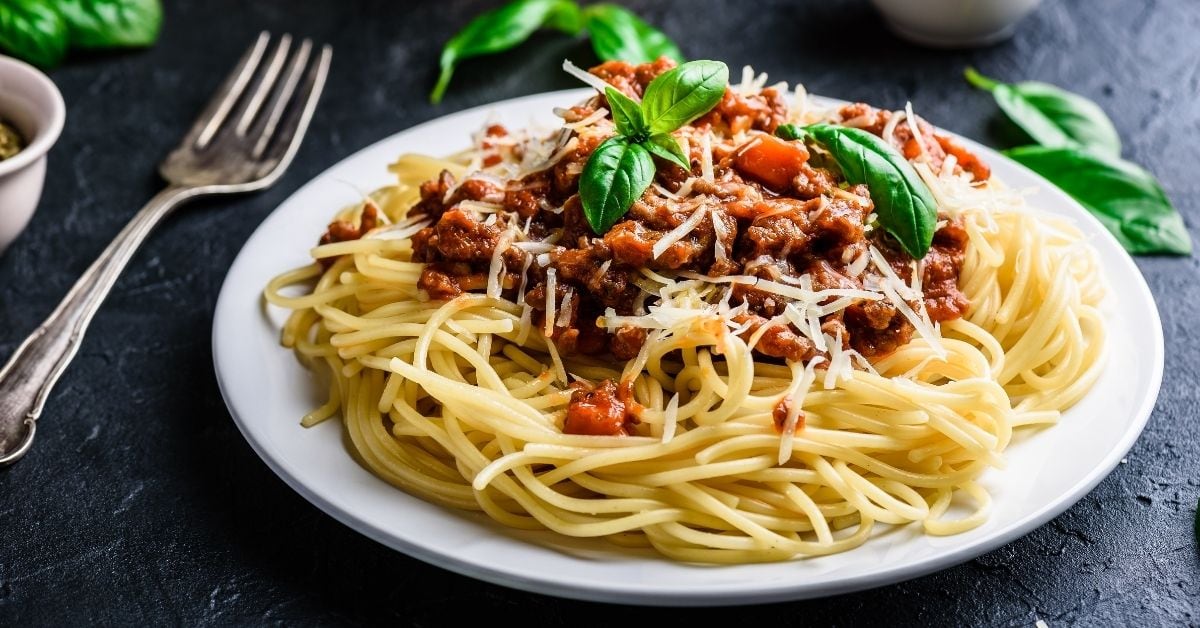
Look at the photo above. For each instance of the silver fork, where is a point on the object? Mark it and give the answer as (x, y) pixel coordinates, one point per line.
(242, 142)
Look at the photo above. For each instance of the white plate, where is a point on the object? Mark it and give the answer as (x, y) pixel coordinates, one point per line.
(267, 392)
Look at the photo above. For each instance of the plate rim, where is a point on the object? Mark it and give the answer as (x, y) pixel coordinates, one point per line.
(693, 596)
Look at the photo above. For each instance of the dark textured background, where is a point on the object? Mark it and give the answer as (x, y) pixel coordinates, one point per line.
(141, 503)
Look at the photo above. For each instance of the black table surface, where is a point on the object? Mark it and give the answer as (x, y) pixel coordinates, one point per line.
(142, 504)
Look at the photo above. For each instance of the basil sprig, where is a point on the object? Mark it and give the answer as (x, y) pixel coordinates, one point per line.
(616, 34)
(903, 202)
(1078, 149)
(111, 23)
(33, 31)
(1052, 116)
(616, 175)
(1126, 199)
(41, 31)
(620, 169)
(503, 28)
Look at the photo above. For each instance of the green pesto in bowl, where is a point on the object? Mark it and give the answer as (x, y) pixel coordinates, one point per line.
(10, 141)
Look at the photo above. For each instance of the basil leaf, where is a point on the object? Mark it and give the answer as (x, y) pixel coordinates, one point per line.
(665, 145)
(1052, 116)
(627, 114)
(32, 30)
(501, 29)
(904, 204)
(618, 34)
(616, 175)
(680, 95)
(111, 23)
(791, 132)
(1127, 199)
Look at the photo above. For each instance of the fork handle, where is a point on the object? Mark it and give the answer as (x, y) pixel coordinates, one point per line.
(28, 377)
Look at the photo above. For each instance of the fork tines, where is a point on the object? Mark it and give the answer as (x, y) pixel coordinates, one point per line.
(266, 102)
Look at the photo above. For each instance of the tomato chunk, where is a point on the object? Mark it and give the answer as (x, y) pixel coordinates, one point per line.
(966, 159)
(597, 412)
(771, 161)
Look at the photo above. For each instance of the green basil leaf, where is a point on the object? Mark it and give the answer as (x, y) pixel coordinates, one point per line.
(904, 204)
(665, 145)
(501, 29)
(618, 34)
(680, 95)
(791, 132)
(111, 23)
(1052, 116)
(32, 30)
(1127, 199)
(616, 175)
(626, 113)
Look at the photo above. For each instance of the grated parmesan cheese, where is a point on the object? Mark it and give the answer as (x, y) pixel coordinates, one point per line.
(400, 231)
(721, 233)
(535, 247)
(594, 81)
(914, 123)
(889, 129)
(679, 232)
(568, 308)
(595, 117)
(548, 328)
(897, 291)
(496, 268)
(796, 396)
(553, 159)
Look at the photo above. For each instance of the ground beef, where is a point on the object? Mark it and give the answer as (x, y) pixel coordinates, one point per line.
(598, 412)
(780, 413)
(936, 145)
(772, 212)
(344, 230)
(943, 300)
(464, 238)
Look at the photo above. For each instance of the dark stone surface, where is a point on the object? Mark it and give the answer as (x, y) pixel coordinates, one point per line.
(141, 503)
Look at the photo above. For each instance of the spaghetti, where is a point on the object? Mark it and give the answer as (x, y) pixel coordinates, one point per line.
(734, 455)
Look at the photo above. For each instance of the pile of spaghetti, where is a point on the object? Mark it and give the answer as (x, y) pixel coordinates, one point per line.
(746, 367)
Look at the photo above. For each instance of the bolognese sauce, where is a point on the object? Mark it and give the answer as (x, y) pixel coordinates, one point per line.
(779, 213)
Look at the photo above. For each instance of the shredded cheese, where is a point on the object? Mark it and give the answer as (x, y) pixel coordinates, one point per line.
(796, 396)
(496, 268)
(595, 117)
(678, 233)
(548, 328)
(897, 291)
(568, 308)
(721, 233)
(914, 123)
(594, 81)
(553, 159)
(400, 231)
(535, 247)
(889, 129)
(859, 264)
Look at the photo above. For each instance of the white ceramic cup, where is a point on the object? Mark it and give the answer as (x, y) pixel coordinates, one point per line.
(31, 103)
(954, 23)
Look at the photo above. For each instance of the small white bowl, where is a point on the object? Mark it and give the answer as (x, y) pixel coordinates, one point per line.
(954, 23)
(31, 103)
